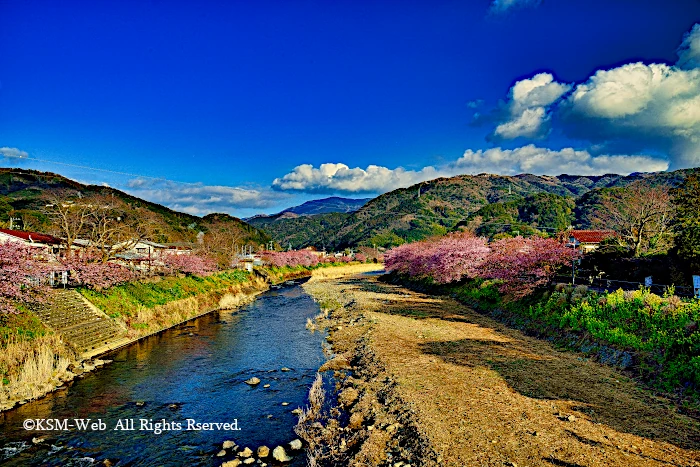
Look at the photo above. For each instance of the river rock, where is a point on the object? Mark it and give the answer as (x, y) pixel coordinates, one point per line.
(253, 381)
(221, 453)
(295, 445)
(284, 368)
(233, 463)
(263, 451)
(247, 452)
(280, 455)
(266, 385)
(297, 411)
(250, 460)
(228, 444)
(285, 404)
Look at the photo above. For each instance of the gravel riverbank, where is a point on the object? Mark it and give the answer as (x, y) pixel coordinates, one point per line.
(424, 380)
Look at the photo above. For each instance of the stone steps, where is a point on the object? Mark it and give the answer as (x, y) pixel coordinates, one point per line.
(67, 312)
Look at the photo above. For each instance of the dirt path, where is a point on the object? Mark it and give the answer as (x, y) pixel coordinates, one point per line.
(484, 394)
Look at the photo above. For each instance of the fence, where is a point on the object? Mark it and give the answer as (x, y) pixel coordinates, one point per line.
(610, 285)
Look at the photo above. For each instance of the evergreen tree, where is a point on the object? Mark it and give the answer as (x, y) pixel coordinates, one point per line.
(687, 201)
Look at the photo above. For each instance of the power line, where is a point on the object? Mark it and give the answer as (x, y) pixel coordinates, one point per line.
(86, 167)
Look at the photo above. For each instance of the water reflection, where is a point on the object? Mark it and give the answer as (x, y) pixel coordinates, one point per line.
(195, 371)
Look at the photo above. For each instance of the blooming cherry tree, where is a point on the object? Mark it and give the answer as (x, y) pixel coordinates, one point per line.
(190, 264)
(290, 258)
(447, 259)
(89, 271)
(22, 276)
(523, 264)
(519, 264)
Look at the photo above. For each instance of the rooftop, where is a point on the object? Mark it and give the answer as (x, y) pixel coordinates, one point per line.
(32, 237)
(591, 236)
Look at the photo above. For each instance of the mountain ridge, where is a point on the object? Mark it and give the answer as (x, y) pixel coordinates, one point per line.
(435, 207)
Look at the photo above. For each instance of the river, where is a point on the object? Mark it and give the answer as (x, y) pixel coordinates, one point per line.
(195, 371)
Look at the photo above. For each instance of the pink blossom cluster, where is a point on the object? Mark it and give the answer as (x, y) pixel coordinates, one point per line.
(518, 264)
(23, 277)
(190, 264)
(290, 258)
(89, 271)
(445, 259)
(523, 264)
(360, 257)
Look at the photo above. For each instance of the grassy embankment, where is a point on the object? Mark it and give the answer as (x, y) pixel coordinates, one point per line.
(33, 359)
(654, 336)
(144, 307)
(148, 306)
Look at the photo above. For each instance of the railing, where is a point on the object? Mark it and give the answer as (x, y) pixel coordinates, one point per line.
(609, 285)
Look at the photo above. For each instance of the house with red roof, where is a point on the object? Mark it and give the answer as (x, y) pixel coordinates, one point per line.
(47, 243)
(588, 240)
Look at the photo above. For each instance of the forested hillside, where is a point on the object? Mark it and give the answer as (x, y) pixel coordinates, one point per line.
(33, 196)
(523, 203)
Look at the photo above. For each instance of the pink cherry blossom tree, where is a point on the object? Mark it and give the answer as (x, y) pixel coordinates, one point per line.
(523, 264)
(88, 270)
(290, 258)
(446, 259)
(23, 277)
(191, 264)
(518, 264)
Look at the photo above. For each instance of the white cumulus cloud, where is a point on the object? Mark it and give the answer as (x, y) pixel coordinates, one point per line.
(689, 51)
(200, 199)
(13, 152)
(543, 161)
(339, 178)
(655, 102)
(527, 107)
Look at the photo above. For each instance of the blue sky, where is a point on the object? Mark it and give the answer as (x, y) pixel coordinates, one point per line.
(248, 107)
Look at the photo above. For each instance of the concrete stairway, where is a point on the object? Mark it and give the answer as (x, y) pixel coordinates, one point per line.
(79, 323)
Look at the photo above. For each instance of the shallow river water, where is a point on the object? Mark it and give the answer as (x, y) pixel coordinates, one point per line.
(195, 371)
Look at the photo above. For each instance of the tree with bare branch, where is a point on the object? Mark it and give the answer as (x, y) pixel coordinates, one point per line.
(640, 213)
(115, 227)
(70, 219)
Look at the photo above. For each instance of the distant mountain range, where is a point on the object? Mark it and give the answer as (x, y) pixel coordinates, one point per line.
(436, 207)
(317, 206)
(486, 203)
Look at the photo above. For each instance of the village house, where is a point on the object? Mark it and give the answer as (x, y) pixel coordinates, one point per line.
(313, 250)
(588, 240)
(49, 245)
(145, 249)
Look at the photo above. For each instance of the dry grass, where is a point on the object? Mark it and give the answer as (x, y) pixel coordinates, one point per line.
(485, 394)
(339, 362)
(341, 271)
(308, 416)
(32, 367)
(144, 321)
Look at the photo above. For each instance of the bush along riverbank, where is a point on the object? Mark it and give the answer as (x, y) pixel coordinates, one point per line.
(654, 338)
